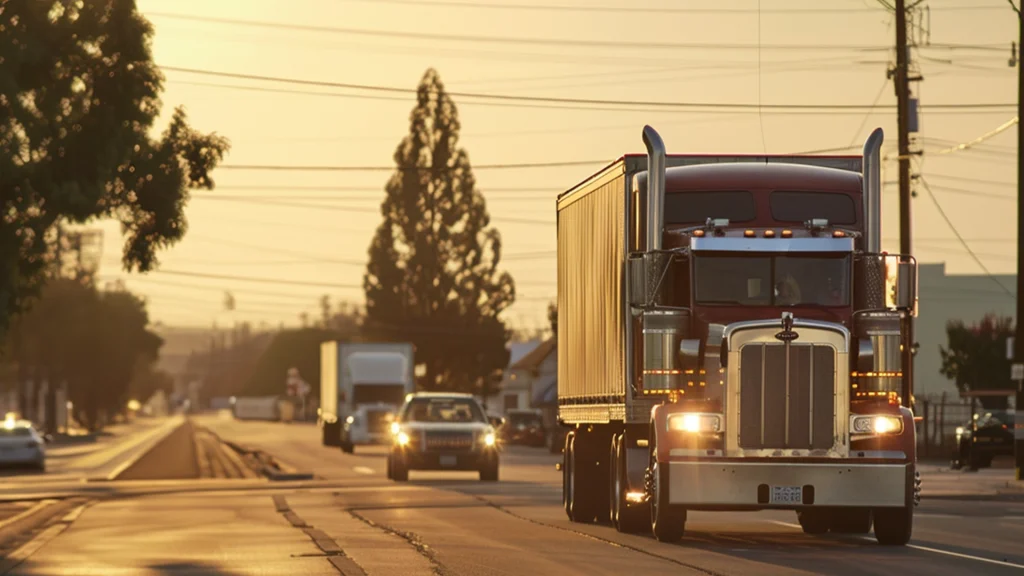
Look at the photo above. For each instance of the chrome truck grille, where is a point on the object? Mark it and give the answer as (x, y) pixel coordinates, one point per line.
(787, 396)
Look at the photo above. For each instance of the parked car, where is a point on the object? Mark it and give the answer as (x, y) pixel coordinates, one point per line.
(986, 436)
(523, 427)
(442, 431)
(21, 444)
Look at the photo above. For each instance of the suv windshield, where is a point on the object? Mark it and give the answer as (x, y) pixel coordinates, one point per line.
(443, 410)
(768, 280)
(996, 418)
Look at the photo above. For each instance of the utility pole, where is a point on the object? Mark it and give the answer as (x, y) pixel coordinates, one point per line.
(1018, 352)
(901, 82)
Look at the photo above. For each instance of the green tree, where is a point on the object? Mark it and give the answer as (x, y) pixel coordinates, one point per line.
(79, 94)
(433, 272)
(292, 349)
(95, 342)
(975, 357)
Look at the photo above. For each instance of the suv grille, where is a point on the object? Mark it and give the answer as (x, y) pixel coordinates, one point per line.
(449, 440)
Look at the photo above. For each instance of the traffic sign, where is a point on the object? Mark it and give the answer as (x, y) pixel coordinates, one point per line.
(1017, 372)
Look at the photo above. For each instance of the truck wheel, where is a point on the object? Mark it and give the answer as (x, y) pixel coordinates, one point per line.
(566, 464)
(668, 522)
(851, 521)
(399, 469)
(332, 433)
(627, 518)
(388, 466)
(346, 444)
(894, 526)
(581, 494)
(813, 520)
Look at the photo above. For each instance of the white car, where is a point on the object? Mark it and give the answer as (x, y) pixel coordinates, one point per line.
(21, 444)
(442, 431)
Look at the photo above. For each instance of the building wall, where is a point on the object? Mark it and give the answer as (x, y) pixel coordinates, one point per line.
(943, 298)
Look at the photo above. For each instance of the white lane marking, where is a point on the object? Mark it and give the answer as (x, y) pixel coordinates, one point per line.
(786, 524)
(927, 549)
(965, 556)
(363, 470)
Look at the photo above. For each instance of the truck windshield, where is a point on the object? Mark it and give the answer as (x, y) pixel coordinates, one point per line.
(769, 280)
(443, 410)
(393, 394)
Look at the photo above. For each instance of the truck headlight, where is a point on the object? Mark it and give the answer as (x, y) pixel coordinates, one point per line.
(402, 438)
(878, 424)
(694, 423)
(395, 429)
(489, 439)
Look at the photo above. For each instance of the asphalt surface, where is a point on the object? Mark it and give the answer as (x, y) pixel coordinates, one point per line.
(352, 520)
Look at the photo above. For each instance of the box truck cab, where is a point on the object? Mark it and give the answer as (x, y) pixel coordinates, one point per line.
(361, 387)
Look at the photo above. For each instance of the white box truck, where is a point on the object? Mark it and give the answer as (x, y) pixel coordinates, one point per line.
(361, 387)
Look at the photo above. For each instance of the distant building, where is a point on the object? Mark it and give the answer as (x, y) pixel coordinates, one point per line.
(943, 298)
(525, 376)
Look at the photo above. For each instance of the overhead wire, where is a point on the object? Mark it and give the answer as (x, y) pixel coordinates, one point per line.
(626, 10)
(960, 238)
(580, 101)
(617, 45)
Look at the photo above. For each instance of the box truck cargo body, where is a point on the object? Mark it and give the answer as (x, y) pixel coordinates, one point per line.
(362, 384)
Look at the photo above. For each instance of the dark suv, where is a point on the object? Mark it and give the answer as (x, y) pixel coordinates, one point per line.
(988, 435)
(442, 431)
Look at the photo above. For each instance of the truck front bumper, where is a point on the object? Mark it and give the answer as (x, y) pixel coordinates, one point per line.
(750, 484)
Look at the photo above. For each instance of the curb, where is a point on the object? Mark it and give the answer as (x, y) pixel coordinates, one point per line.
(148, 443)
(36, 516)
(273, 468)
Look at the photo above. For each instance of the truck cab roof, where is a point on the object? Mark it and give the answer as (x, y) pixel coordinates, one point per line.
(759, 176)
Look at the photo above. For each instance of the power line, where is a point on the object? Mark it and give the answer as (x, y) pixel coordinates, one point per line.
(964, 146)
(959, 237)
(261, 280)
(510, 166)
(486, 191)
(580, 101)
(632, 10)
(358, 209)
(616, 45)
(974, 180)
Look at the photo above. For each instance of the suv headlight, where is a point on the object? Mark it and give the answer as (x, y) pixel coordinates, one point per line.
(876, 424)
(695, 422)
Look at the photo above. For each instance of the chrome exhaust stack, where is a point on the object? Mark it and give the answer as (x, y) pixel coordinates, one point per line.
(872, 192)
(655, 187)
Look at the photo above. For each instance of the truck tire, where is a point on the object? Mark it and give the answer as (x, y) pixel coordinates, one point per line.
(813, 520)
(668, 522)
(582, 500)
(851, 521)
(627, 518)
(346, 444)
(566, 463)
(894, 526)
(332, 433)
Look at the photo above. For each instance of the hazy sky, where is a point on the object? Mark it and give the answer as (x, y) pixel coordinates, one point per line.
(813, 52)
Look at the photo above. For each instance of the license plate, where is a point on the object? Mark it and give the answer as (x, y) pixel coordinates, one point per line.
(449, 461)
(787, 495)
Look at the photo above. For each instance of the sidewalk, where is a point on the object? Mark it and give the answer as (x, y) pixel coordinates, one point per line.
(941, 482)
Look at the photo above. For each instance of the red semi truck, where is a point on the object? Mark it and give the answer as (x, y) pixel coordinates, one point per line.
(732, 337)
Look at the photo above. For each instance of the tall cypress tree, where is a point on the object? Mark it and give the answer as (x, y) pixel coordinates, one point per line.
(433, 275)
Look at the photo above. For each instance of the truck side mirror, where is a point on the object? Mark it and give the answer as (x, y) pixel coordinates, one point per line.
(637, 277)
(901, 283)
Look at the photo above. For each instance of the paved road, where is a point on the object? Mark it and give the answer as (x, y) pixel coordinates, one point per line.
(353, 521)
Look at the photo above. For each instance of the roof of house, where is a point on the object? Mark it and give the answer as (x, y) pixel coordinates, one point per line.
(517, 350)
(533, 360)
